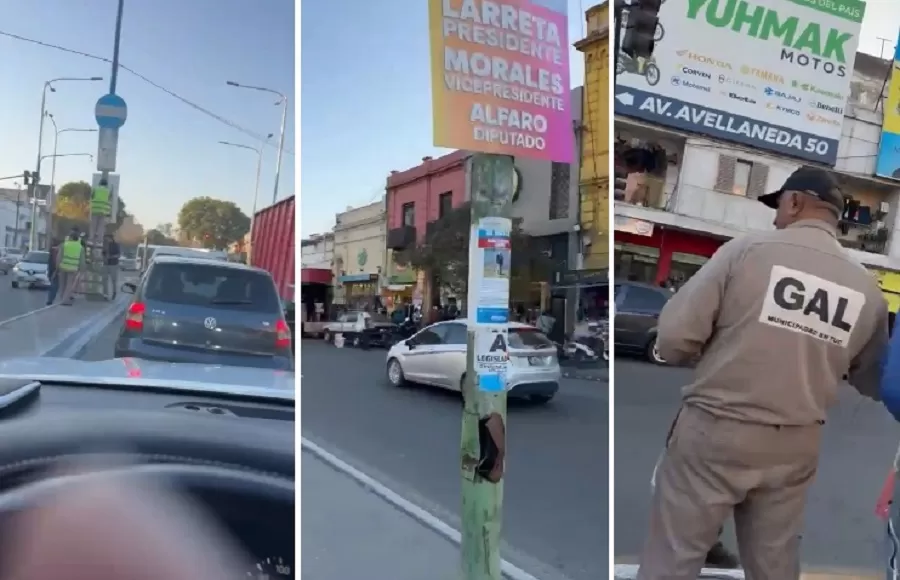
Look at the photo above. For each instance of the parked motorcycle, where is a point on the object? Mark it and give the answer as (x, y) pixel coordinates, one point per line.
(627, 64)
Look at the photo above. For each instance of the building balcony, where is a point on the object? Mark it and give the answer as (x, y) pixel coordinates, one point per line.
(401, 238)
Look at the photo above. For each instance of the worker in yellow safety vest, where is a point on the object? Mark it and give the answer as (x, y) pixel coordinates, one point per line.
(69, 264)
(101, 204)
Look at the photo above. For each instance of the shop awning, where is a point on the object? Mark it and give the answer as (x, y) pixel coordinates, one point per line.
(315, 276)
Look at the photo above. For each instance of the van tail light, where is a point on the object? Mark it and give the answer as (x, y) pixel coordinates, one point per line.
(283, 335)
(134, 318)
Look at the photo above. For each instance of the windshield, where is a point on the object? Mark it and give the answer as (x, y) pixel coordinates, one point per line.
(212, 285)
(37, 257)
(14, 251)
(524, 338)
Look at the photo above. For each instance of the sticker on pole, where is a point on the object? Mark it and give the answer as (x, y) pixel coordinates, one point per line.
(491, 358)
(492, 238)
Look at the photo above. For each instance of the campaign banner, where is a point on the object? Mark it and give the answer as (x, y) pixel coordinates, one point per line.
(500, 77)
(888, 163)
(783, 65)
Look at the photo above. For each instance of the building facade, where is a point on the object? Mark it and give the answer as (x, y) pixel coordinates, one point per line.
(359, 252)
(702, 191)
(414, 198)
(15, 219)
(317, 252)
(593, 142)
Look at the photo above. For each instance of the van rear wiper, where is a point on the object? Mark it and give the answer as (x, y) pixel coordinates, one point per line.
(226, 302)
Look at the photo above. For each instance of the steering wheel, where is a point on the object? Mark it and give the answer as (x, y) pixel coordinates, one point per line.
(220, 455)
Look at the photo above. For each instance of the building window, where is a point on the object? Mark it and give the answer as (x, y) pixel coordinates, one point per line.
(445, 203)
(409, 214)
(742, 171)
(560, 176)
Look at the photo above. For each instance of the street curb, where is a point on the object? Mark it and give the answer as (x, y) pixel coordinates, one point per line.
(423, 516)
(78, 339)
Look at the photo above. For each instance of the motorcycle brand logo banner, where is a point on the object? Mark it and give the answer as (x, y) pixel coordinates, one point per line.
(888, 164)
(500, 77)
(754, 67)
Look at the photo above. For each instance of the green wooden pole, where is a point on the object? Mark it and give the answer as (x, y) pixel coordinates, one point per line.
(490, 184)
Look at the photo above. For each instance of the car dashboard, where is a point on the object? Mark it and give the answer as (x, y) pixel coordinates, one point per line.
(262, 528)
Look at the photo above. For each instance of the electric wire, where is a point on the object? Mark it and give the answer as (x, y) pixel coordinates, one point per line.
(258, 137)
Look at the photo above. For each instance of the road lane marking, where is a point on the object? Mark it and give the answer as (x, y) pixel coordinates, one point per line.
(27, 314)
(422, 515)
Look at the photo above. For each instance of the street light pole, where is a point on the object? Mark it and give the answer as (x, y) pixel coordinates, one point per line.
(255, 189)
(52, 201)
(284, 103)
(32, 187)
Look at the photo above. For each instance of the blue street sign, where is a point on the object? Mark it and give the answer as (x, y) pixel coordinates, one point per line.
(111, 111)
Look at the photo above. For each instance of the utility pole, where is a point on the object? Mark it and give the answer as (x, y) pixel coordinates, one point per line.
(490, 181)
(618, 9)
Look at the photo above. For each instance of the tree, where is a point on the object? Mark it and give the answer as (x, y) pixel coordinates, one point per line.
(73, 201)
(213, 223)
(157, 238)
(444, 256)
(130, 233)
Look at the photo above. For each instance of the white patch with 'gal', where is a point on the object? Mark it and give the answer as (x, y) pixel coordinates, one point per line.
(810, 305)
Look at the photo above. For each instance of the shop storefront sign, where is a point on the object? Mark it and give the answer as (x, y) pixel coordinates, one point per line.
(770, 74)
(633, 226)
(568, 278)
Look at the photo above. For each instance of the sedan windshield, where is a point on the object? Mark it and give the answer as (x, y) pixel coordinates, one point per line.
(37, 258)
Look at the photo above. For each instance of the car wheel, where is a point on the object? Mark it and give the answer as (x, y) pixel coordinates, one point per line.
(653, 353)
(356, 343)
(326, 336)
(395, 374)
(541, 399)
(15, 284)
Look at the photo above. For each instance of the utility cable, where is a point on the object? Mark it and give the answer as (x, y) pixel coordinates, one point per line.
(152, 83)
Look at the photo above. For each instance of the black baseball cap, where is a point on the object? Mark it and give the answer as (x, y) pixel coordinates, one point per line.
(811, 181)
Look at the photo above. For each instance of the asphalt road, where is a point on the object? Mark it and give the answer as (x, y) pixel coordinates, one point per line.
(860, 442)
(556, 490)
(16, 301)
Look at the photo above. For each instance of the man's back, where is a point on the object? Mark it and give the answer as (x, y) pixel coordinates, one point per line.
(795, 314)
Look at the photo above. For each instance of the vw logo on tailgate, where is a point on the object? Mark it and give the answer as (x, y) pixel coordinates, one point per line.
(209, 323)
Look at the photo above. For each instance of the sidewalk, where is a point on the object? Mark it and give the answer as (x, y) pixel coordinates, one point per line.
(349, 532)
(36, 334)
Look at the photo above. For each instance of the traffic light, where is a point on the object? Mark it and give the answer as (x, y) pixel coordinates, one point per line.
(640, 28)
(26, 177)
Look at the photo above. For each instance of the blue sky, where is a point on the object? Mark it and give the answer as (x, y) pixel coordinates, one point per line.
(168, 152)
(367, 99)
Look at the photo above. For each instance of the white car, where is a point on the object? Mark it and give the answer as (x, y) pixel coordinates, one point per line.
(31, 271)
(436, 355)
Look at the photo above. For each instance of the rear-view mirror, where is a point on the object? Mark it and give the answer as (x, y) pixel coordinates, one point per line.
(410, 343)
(129, 288)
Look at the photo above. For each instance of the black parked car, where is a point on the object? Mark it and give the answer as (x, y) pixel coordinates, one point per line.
(636, 315)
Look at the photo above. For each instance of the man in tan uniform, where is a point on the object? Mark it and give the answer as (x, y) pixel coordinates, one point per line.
(773, 321)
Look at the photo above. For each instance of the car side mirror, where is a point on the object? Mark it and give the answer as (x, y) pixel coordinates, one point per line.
(129, 288)
(410, 344)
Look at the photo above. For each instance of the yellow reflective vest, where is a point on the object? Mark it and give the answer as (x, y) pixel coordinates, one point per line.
(71, 256)
(100, 203)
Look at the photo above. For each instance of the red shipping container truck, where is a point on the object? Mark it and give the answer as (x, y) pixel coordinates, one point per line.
(272, 246)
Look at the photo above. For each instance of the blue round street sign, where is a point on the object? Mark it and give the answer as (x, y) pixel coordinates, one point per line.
(111, 111)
